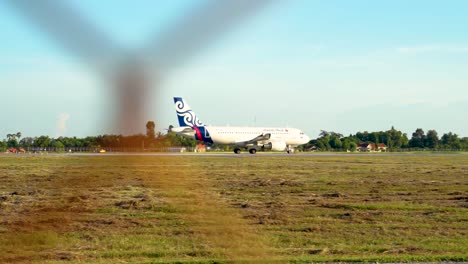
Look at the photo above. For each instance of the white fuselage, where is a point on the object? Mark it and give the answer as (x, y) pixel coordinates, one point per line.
(240, 135)
(235, 135)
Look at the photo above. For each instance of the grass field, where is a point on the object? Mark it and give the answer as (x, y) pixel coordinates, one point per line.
(206, 209)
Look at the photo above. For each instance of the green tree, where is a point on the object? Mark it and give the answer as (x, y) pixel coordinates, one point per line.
(12, 141)
(324, 133)
(323, 142)
(395, 139)
(42, 142)
(431, 140)
(3, 146)
(10, 136)
(352, 146)
(404, 141)
(363, 136)
(335, 142)
(451, 141)
(334, 134)
(417, 140)
(26, 142)
(464, 143)
(57, 145)
(374, 137)
(346, 144)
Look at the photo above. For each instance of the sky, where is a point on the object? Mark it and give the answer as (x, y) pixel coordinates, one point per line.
(342, 66)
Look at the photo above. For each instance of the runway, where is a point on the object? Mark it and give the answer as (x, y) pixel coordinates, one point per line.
(228, 154)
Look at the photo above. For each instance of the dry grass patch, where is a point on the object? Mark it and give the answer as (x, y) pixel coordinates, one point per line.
(236, 208)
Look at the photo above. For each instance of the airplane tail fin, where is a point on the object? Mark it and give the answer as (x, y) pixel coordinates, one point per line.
(185, 114)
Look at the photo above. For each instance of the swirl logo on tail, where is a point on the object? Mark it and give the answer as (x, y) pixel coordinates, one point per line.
(185, 114)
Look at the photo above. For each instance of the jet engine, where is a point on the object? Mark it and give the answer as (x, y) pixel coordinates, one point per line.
(275, 145)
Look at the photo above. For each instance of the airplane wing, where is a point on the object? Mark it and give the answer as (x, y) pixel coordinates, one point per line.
(182, 129)
(256, 139)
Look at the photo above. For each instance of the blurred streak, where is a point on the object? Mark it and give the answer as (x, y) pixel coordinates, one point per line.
(63, 24)
(62, 124)
(198, 29)
(132, 86)
(128, 73)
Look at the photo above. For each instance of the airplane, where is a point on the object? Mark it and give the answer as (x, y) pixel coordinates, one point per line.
(252, 139)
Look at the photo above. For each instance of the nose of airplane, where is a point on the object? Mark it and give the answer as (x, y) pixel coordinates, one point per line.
(306, 139)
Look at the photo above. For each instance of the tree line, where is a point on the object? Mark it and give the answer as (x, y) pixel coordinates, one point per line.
(152, 140)
(393, 139)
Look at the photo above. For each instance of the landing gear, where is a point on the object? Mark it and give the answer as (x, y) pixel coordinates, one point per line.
(237, 150)
(252, 151)
(289, 150)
